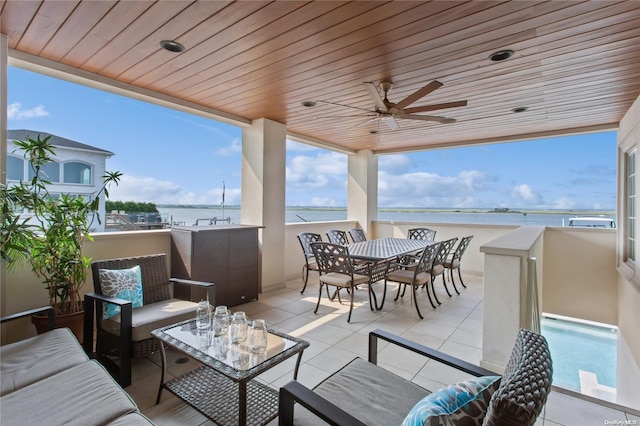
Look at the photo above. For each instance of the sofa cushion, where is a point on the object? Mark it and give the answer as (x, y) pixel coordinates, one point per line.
(525, 384)
(121, 283)
(155, 315)
(131, 419)
(388, 396)
(36, 358)
(464, 403)
(82, 395)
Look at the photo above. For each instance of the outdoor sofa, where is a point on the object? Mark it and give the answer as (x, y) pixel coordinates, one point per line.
(49, 380)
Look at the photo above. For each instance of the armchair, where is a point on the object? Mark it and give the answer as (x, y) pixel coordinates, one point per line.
(362, 393)
(128, 333)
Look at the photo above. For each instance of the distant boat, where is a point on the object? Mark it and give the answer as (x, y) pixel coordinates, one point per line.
(592, 222)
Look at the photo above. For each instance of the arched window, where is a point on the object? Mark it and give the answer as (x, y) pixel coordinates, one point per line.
(15, 168)
(75, 172)
(50, 172)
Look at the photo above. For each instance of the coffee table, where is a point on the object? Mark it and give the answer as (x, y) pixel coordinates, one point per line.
(222, 389)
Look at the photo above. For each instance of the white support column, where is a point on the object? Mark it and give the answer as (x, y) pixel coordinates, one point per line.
(508, 303)
(362, 189)
(263, 195)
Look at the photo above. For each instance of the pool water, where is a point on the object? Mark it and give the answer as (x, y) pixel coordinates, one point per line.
(576, 346)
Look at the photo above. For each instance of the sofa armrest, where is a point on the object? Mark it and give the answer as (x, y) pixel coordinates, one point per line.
(48, 309)
(294, 392)
(184, 289)
(422, 350)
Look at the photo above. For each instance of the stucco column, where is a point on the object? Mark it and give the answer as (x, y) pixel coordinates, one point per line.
(263, 195)
(362, 189)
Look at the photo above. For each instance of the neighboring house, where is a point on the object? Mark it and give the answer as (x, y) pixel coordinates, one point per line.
(78, 168)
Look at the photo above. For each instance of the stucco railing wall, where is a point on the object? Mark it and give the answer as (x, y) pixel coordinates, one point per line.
(579, 273)
(473, 260)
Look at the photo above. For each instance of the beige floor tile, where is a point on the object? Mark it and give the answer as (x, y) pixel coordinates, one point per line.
(565, 410)
(331, 360)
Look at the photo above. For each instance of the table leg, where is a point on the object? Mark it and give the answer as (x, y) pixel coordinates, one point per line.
(295, 370)
(163, 357)
(242, 403)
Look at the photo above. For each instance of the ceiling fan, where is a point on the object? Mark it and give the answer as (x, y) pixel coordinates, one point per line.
(387, 111)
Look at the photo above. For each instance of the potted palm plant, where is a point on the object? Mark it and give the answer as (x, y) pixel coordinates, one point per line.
(50, 236)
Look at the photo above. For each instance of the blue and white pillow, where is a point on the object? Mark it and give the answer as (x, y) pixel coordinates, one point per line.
(464, 403)
(121, 283)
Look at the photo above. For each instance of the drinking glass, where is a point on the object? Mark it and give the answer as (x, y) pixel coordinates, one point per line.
(238, 327)
(221, 321)
(258, 336)
(203, 316)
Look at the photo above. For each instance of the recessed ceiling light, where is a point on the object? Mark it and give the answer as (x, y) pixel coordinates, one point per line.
(172, 46)
(308, 103)
(373, 132)
(501, 55)
(520, 109)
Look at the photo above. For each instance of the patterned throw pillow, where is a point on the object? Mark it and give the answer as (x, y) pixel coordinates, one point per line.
(121, 283)
(464, 403)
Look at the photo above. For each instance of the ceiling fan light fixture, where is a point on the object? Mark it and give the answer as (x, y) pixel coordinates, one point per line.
(520, 109)
(448, 120)
(172, 46)
(501, 55)
(308, 104)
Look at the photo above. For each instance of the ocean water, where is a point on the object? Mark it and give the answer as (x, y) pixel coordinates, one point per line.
(187, 216)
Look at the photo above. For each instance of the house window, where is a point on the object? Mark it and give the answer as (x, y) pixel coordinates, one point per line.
(15, 168)
(75, 172)
(630, 208)
(49, 171)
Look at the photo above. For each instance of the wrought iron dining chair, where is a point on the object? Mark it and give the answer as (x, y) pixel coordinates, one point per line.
(453, 262)
(337, 236)
(422, 234)
(306, 238)
(417, 274)
(438, 266)
(337, 269)
(357, 235)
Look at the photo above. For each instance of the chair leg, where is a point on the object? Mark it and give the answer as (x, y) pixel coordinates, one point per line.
(398, 293)
(305, 275)
(384, 295)
(444, 282)
(429, 296)
(415, 300)
(460, 275)
(453, 281)
(350, 307)
(319, 296)
(375, 299)
(433, 289)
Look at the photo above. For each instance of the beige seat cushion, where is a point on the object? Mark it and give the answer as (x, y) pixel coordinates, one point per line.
(155, 315)
(452, 264)
(27, 361)
(82, 395)
(406, 277)
(342, 280)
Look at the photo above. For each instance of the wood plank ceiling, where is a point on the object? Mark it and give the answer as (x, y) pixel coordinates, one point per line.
(576, 65)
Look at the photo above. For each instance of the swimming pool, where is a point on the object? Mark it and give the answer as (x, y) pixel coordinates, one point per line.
(578, 346)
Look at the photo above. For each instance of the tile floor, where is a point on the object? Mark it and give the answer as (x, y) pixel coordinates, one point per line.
(454, 328)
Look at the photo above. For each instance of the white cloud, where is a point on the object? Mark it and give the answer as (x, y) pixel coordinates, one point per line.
(16, 112)
(394, 163)
(144, 189)
(564, 203)
(524, 193)
(234, 147)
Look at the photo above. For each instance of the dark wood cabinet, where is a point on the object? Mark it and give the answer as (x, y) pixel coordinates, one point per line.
(226, 255)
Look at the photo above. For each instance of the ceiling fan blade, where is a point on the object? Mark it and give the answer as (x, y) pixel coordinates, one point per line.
(443, 120)
(391, 123)
(435, 107)
(375, 95)
(418, 94)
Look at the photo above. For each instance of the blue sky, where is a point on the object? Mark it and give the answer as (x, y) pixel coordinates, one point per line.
(169, 157)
